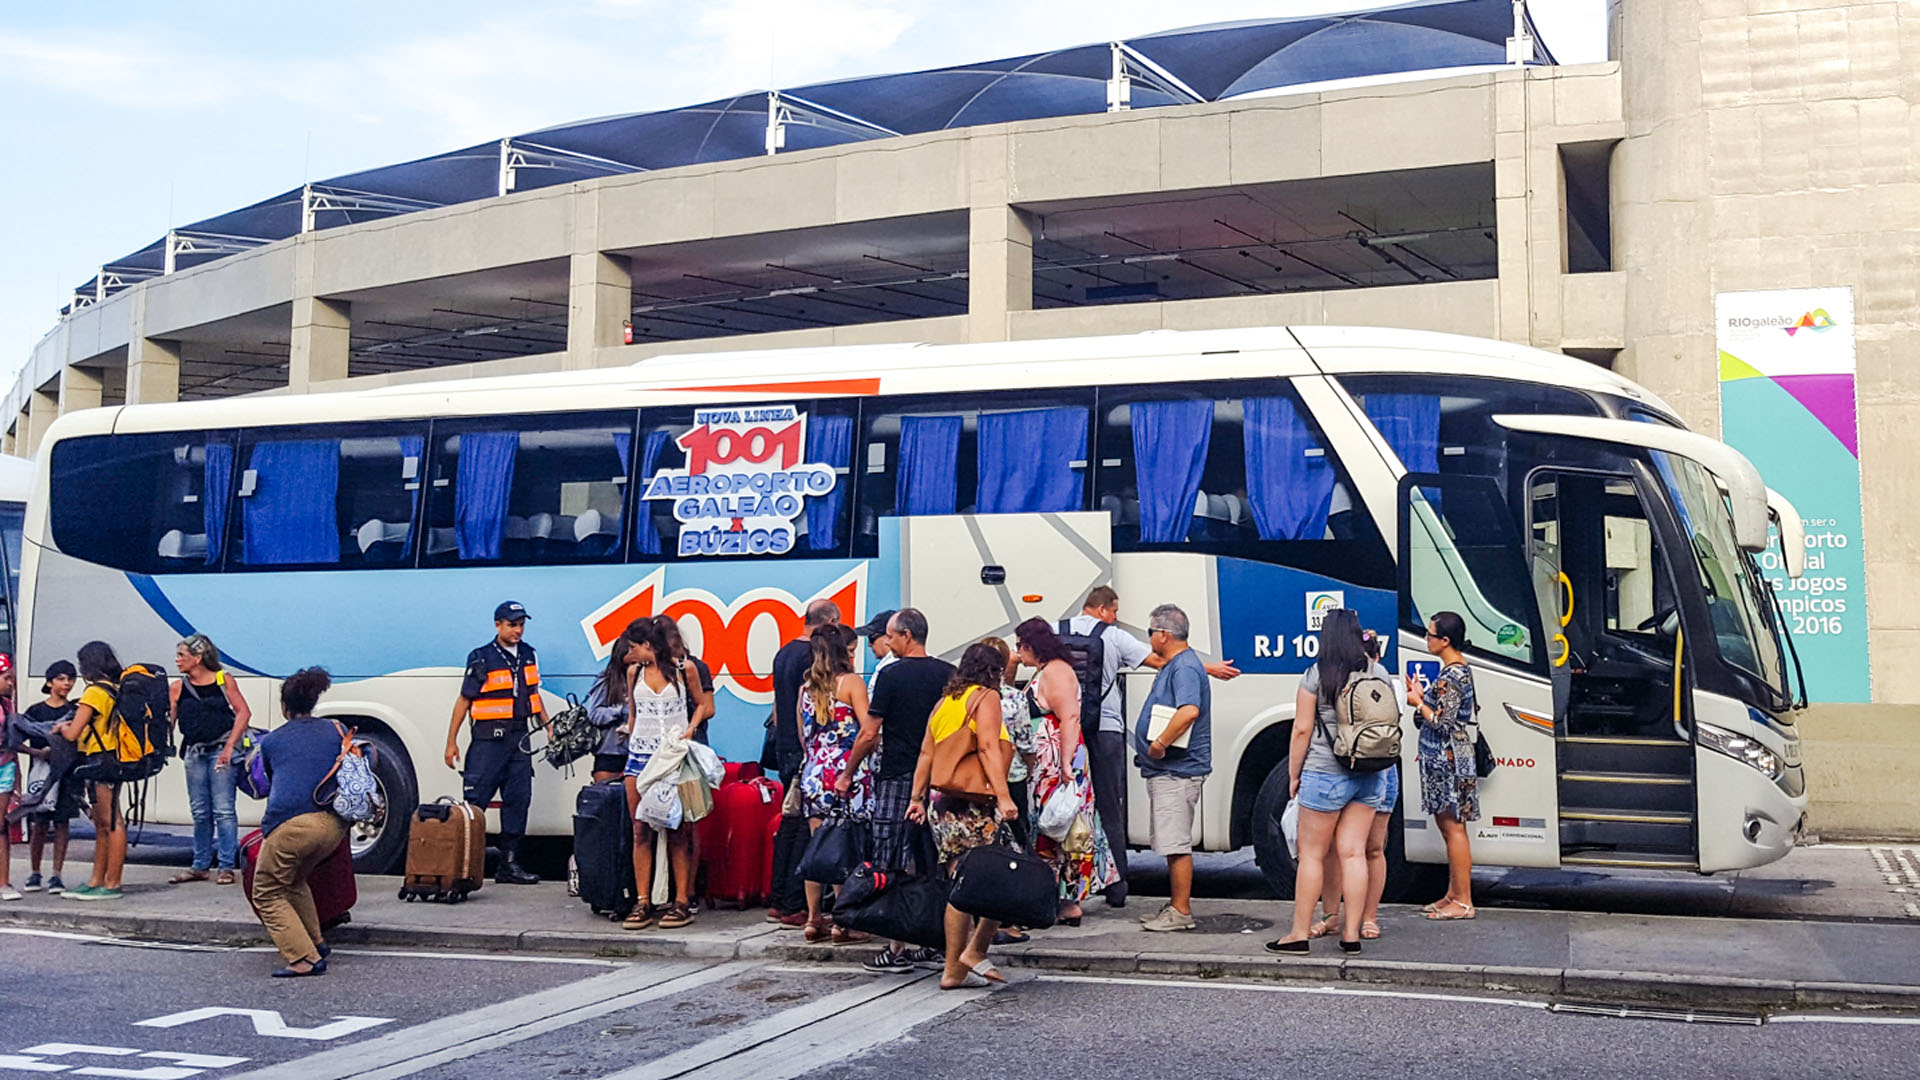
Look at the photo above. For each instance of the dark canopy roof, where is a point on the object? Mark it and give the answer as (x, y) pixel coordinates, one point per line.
(1206, 63)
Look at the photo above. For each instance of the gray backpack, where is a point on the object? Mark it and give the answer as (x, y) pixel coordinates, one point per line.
(1366, 731)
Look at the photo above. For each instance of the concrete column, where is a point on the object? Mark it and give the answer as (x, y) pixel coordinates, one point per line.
(153, 371)
(599, 303)
(6, 442)
(79, 389)
(999, 270)
(42, 409)
(322, 331)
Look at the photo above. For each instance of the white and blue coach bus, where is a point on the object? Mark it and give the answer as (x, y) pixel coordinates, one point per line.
(1635, 679)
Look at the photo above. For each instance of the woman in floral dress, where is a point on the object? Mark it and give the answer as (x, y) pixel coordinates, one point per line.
(833, 710)
(1083, 862)
(1449, 782)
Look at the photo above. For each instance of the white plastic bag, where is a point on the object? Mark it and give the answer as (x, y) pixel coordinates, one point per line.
(1290, 827)
(707, 762)
(1056, 817)
(660, 806)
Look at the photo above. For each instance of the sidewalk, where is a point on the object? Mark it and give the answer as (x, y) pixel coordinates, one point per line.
(1689, 961)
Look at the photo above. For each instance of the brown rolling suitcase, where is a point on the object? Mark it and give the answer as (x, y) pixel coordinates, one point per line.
(446, 851)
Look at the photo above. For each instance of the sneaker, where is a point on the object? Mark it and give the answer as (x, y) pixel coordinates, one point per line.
(80, 893)
(32, 885)
(926, 959)
(888, 962)
(1155, 913)
(55, 886)
(8, 892)
(96, 894)
(1169, 918)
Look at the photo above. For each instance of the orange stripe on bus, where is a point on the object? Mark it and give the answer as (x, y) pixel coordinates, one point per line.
(863, 387)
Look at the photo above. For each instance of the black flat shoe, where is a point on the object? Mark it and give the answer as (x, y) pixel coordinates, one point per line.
(1349, 946)
(1002, 937)
(289, 972)
(325, 950)
(1294, 948)
(1064, 921)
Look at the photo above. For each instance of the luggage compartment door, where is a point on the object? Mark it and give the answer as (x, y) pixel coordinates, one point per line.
(978, 574)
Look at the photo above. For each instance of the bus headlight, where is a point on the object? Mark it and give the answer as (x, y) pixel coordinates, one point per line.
(1744, 749)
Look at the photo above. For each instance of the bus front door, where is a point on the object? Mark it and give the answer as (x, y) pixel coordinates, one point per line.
(1461, 552)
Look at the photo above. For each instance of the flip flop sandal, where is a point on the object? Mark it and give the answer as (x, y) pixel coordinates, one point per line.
(1328, 925)
(1463, 911)
(225, 878)
(971, 982)
(843, 936)
(1370, 930)
(817, 932)
(987, 971)
(186, 876)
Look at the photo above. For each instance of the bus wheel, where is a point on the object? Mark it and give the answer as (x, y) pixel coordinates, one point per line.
(380, 846)
(1269, 843)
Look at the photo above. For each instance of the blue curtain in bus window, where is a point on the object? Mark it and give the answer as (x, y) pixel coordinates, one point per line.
(929, 473)
(646, 535)
(216, 484)
(1027, 461)
(1411, 425)
(1170, 440)
(289, 519)
(1289, 480)
(829, 442)
(483, 482)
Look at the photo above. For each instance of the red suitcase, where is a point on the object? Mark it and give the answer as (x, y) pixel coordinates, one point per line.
(334, 891)
(734, 852)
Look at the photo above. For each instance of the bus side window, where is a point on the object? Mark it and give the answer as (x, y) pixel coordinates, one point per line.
(974, 454)
(525, 491)
(345, 495)
(1443, 423)
(1207, 467)
(819, 529)
(144, 503)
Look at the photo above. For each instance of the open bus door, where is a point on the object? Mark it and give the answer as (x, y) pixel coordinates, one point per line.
(1460, 552)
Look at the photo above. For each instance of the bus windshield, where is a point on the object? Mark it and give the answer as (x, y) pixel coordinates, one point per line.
(1735, 602)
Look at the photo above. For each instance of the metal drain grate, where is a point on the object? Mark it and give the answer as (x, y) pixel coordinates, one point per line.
(1230, 923)
(1652, 1012)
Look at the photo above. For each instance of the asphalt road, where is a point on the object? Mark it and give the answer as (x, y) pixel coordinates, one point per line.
(92, 1005)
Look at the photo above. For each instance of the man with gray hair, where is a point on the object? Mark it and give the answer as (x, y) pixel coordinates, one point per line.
(1174, 741)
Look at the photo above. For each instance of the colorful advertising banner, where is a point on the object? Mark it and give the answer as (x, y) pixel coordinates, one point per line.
(1787, 402)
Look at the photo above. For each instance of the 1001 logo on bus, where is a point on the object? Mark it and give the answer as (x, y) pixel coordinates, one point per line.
(744, 483)
(737, 638)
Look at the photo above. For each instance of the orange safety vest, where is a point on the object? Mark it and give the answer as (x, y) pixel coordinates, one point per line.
(508, 690)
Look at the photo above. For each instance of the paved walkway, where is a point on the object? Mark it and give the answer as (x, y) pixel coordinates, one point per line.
(1696, 961)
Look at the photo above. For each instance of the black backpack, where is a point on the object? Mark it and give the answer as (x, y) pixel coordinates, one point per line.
(1088, 655)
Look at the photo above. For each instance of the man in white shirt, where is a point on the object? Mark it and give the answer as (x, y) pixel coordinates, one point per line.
(1107, 742)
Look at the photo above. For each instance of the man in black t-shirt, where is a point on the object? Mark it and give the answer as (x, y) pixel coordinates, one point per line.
(788, 904)
(904, 697)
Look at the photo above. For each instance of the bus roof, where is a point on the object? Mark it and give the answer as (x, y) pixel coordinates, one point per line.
(833, 371)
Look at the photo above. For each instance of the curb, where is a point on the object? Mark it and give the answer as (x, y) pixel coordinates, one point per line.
(1617, 987)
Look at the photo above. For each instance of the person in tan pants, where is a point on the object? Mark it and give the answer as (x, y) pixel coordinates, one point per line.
(299, 832)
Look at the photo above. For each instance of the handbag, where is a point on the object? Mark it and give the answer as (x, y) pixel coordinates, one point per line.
(1483, 763)
(836, 849)
(899, 905)
(573, 736)
(957, 767)
(996, 881)
(252, 780)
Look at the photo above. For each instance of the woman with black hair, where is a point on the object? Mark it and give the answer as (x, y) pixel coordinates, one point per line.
(298, 830)
(1083, 863)
(1336, 803)
(1449, 781)
(610, 705)
(964, 820)
(659, 685)
(90, 731)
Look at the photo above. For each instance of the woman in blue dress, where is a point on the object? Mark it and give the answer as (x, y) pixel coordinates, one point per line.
(1449, 783)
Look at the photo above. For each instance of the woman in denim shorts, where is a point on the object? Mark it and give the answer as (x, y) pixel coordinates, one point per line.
(1389, 797)
(1336, 805)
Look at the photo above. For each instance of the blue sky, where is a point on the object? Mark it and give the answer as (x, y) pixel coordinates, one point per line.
(121, 119)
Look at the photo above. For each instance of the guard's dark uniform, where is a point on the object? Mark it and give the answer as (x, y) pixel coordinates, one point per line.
(504, 691)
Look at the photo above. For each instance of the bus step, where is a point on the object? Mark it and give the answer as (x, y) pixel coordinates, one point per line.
(1662, 832)
(1627, 792)
(1626, 754)
(1631, 860)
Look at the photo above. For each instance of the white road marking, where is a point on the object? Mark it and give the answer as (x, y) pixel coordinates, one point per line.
(188, 1065)
(438, 1041)
(98, 939)
(268, 1023)
(1814, 1018)
(808, 1038)
(430, 954)
(1274, 988)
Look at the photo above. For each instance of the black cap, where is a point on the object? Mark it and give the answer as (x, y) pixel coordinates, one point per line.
(876, 626)
(57, 669)
(511, 611)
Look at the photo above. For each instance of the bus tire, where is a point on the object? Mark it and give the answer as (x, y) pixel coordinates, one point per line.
(381, 846)
(1269, 843)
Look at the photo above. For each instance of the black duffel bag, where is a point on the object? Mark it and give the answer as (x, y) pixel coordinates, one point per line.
(838, 846)
(1014, 888)
(899, 905)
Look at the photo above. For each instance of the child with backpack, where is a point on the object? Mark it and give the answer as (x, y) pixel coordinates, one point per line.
(92, 729)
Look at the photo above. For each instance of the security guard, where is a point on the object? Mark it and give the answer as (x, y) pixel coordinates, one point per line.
(501, 693)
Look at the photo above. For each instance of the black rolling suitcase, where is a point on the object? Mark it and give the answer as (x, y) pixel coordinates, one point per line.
(603, 848)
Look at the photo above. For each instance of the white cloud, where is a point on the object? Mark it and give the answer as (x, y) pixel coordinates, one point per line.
(114, 70)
